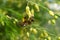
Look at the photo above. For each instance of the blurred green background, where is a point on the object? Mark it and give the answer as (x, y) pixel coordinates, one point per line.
(46, 25)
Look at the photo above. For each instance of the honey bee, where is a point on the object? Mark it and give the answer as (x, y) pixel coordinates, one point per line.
(25, 21)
